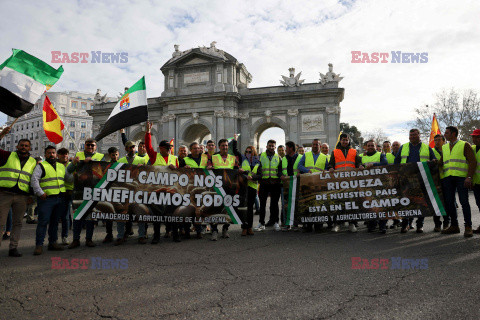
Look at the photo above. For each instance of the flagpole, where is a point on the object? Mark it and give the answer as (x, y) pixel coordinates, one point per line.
(14, 122)
(74, 144)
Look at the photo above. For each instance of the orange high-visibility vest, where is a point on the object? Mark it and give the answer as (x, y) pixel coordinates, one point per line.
(342, 162)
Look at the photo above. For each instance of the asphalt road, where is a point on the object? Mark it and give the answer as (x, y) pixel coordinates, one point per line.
(271, 275)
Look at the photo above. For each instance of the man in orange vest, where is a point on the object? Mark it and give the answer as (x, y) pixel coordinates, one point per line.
(344, 157)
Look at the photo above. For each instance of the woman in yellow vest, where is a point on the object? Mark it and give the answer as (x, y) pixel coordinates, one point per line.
(49, 187)
(252, 166)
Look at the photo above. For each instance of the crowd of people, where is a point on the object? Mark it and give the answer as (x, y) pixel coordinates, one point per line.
(45, 186)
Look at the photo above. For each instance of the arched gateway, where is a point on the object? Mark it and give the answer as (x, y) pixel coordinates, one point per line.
(207, 95)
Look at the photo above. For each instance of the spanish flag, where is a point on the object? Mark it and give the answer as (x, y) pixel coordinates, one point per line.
(52, 124)
(172, 149)
(434, 131)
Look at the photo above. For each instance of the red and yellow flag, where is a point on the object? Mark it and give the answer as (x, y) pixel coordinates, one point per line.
(172, 149)
(434, 131)
(52, 124)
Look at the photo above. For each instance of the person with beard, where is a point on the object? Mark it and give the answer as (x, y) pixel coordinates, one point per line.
(165, 159)
(344, 158)
(90, 154)
(62, 158)
(48, 183)
(196, 159)
(252, 166)
(16, 169)
(133, 159)
(182, 151)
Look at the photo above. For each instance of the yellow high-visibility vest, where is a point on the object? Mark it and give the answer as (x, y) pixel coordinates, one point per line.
(269, 167)
(476, 176)
(96, 156)
(375, 158)
(246, 167)
(218, 162)
(160, 161)
(424, 152)
(12, 173)
(137, 160)
(53, 181)
(454, 162)
(319, 165)
(193, 164)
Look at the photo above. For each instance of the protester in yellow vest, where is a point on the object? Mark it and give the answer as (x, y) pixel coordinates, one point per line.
(141, 149)
(388, 153)
(313, 161)
(459, 165)
(90, 154)
(62, 157)
(252, 166)
(196, 159)
(223, 160)
(16, 169)
(437, 150)
(325, 149)
(413, 152)
(476, 177)
(270, 184)
(162, 158)
(49, 187)
(132, 157)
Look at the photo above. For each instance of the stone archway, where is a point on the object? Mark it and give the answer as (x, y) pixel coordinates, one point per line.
(263, 124)
(195, 133)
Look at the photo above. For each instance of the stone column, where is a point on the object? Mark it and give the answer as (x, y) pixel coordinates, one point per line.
(220, 124)
(218, 78)
(333, 125)
(292, 116)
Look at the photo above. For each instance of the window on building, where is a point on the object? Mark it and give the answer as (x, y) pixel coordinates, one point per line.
(72, 134)
(72, 146)
(72, 124)
(27, 125)
(82, 135)
(91, 107)
(31, 135)
(84, 105)
(36, 145)
(62, 110)
(83, 125)
(36, 134)
(38, 124)
(74, 104)
(82, 147)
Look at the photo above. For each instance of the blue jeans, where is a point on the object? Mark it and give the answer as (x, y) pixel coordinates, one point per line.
(77, 229)
(450, 186)
(49, 211)
(8, 226)
(66, 218)
(121, 229)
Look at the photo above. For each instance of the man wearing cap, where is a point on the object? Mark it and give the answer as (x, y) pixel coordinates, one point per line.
(166, 159)
(476, 177)
(459, 165)
(141, 149)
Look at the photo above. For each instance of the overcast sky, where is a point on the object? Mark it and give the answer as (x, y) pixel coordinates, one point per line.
(268, 37)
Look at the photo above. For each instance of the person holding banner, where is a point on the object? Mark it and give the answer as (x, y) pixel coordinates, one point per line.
(252, 166)
(223, 160)
(345, 158)
(16, 169)
(459, 165)
(270, 184)
(313, 161)
(412, 152)
(162, 158)
(373, 158)
(290, 168)
(325, 148)
(90, 154)
(49, 187)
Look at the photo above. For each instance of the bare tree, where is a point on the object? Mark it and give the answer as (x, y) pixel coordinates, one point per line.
(453, 108)
(377, 135)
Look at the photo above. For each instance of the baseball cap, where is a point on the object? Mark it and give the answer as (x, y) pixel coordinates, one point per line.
(476, 132)
(164, 143)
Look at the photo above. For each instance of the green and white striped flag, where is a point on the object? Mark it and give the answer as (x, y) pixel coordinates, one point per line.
(130, 110)
(23, 79)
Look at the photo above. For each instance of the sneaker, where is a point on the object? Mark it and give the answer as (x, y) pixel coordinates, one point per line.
(336, 228)
(451, 230)
(214, 236)
(468, 232)
(74, 244)
(225, 234)
(260, 227)
(65, 241)
(54, 247)
(276, 227)
(270, 224)
(89, 243)
(38, 250)
(352, 228)
(14, 253)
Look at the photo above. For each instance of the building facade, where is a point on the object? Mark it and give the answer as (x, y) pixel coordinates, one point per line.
(72, 108)
(207, 94)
